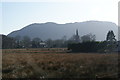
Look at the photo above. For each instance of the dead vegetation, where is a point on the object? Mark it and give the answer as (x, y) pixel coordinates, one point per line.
(57, 64)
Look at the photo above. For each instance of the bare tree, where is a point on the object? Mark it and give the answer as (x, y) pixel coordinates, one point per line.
(88, 37)
(26, 42)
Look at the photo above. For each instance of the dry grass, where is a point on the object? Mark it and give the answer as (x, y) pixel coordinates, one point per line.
(55, 63)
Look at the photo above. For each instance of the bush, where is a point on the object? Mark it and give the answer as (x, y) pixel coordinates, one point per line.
(92, 46)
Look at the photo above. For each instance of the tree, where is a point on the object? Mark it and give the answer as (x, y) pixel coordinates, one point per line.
(73, 39)
(88, 37)
(36, 42)
(111, 41)
(110, 36)
(8, 42)
(49, 43)
(26, 42)
(18, 41)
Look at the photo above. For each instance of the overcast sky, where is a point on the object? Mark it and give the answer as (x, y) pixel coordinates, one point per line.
(16, 15)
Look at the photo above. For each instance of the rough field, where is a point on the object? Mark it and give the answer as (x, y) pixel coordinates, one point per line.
(56, 63)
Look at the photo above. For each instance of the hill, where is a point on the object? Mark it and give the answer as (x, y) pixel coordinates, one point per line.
(54, 31)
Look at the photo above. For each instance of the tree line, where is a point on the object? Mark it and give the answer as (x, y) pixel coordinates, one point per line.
(87, 43)
(26, 42)
(109, 45)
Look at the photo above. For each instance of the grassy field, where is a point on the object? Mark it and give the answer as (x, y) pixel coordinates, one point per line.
(56, 63)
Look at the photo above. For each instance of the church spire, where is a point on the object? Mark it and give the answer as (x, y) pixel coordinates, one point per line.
(76, 32)
(77, 36)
